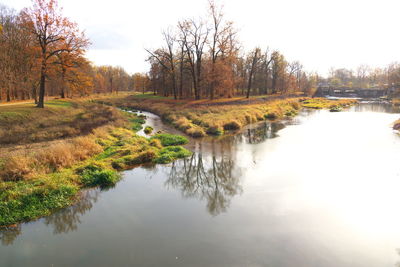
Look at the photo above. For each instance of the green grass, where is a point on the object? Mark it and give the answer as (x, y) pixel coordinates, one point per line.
(151, 96)
(59, 103)
(171, 153)
(94, 175)
(34, 202)
(170, 139)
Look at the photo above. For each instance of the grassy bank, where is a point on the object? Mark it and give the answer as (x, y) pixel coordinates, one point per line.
(37, 178)
(332, 105)
(204, 117)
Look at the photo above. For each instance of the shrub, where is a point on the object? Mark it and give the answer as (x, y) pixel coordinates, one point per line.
(93, 175)
(335, 108)
(197, 121)
(259, 116)
(296, 105)
(118, 164)
(291, 113)
(164, 159)
(148, 130)
(215, 130)
(132, 160)
(232, 125)
(170, 118)
(250, 119)
(196, 132)
(145, 156)
(170, 139)
(271, 116)
(182, 124)
(156, 143)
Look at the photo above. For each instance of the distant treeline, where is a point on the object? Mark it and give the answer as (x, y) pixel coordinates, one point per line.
(365, 77)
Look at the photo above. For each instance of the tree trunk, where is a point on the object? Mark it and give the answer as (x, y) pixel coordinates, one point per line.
(62, 95)
(8, 94)
(42, 86)
(174, 84)
(212, 85)
(248, 87)
(34, 94)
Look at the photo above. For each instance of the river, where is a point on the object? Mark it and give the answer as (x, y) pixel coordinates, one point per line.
(320, 190)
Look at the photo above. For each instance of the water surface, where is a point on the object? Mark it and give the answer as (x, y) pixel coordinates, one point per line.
(320, 190)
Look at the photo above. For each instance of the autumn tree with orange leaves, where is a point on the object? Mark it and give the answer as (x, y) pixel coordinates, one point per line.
(56, 36)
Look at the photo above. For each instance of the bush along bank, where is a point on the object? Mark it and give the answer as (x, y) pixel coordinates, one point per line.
(36, 183)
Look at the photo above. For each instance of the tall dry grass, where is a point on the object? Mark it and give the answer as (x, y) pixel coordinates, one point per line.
(23, 165)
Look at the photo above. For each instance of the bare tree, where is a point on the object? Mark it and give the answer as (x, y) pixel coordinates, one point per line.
(254, 57)
(194, 37)
(166, 57)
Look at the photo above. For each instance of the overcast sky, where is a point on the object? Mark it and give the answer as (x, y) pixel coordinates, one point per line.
(319, 33)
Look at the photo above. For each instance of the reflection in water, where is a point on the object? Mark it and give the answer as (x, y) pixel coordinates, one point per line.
(9, 234)
(68, 219)
(262, 132)
(63, 221)
(214, 179)
(376, 107)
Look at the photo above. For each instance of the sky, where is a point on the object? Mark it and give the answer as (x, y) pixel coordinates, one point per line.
(319, 33)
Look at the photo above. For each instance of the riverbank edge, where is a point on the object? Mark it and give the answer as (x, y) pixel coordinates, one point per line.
(116, 149)
(190, 119)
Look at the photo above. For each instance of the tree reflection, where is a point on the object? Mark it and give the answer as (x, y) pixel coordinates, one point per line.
(8, 234)
(265, 131)
(63, 221)
(68, 219)
(215, 179)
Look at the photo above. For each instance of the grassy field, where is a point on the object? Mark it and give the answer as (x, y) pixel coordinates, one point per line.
(25, 123)
(77, 145)
(199, 118)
